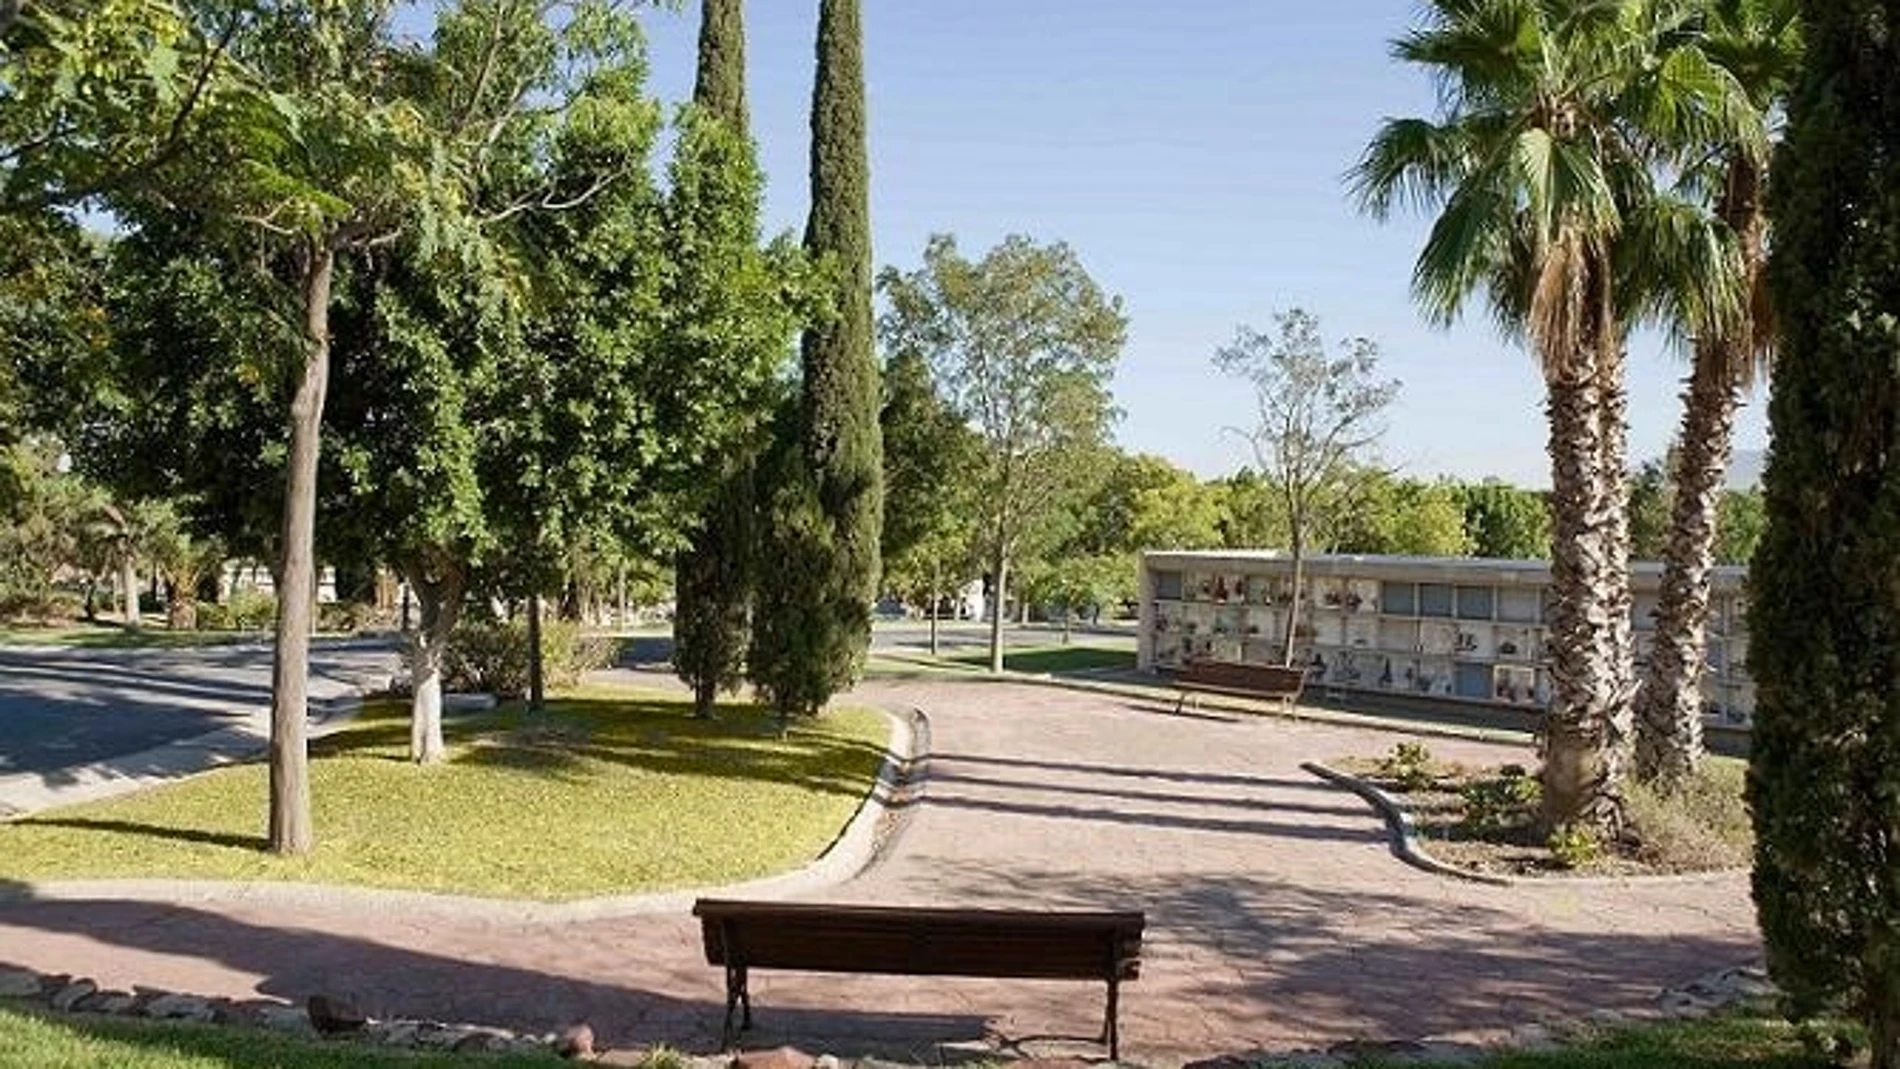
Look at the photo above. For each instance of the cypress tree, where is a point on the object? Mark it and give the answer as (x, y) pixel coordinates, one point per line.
(842, 448)
(1824, 777)
(713, 574)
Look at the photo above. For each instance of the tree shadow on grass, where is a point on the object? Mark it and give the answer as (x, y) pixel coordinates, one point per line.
(154, 831)
(651, 735)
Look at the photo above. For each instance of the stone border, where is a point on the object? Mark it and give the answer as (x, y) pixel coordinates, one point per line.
(1405, 842)
(321, 1017)
(1409, 848)
(848, 853)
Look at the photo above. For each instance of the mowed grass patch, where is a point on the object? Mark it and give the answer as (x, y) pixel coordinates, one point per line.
(609, 791)
(1055, 660)
(1730, 1041)
(30, 1040)
(111, 637)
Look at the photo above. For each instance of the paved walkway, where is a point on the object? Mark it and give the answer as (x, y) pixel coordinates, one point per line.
(1277, 916)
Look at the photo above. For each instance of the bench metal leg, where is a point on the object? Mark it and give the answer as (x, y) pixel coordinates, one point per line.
(1111, 1026)
(738, 1003)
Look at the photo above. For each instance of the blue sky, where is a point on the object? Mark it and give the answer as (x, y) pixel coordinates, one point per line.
(1192, 154)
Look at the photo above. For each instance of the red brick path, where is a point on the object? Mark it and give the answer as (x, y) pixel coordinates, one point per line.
(1277, 916)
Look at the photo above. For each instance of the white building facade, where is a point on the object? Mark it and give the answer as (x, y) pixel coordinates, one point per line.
(1442, 628)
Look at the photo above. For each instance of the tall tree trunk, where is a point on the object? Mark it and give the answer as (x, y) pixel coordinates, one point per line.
(440, 598)
(1580, 737)
(1299, 590)
(1000, 563)
(1669, 704)
(537, 680)
(290, 828)
(936, 600)
(129, 582)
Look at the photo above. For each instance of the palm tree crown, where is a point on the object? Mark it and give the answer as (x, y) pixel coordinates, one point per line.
(1556, 118)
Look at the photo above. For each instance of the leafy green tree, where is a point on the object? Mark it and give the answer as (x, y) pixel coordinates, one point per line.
(1822, 612)
(104, 95)
(1404, 517)
(1250, 512)
(42, 516)
(1738, 528)
(930, 462)
(417, 347)
(727, 305)
(1316, 416)
(1145, 502)
(1542, 163)
(1073, 585)
(1023, 343)
(838, 424)
(1651, 497)
(1756, 43)
(1505, 522)
(794, 667)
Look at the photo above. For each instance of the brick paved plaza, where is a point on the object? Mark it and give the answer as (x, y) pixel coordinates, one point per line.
(1277, 915)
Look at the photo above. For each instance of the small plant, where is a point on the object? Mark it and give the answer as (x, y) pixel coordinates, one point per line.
(1409, 765)
(1501, 802)
(1574, 846)
(663, 1057)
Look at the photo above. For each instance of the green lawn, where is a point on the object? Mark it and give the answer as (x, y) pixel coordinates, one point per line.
(1726, 1042)
(610, 791)
(112, 636)
(1054, 660)
(31, 1040)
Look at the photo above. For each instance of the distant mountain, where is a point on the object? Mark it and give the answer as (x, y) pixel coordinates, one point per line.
(1744, 469)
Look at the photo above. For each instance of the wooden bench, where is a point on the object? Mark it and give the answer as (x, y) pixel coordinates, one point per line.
(1275, 681)
(905, 941)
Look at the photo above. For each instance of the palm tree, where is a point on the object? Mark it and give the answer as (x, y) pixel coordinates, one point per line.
(1757, 43)
(1552, 113)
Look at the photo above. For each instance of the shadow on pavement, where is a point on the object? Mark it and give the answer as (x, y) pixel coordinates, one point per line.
(677, 1001)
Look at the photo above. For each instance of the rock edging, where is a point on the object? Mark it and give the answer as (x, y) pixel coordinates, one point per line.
(1405, 841)
(321, 1017)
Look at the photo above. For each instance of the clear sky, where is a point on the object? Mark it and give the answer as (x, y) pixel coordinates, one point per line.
(1192, 154)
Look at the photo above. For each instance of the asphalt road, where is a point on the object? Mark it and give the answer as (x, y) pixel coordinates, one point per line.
(62, 708)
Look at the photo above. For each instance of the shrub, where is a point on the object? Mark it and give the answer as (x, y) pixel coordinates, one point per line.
(346, 616)
(1507, 800)
(250, 609)
(493, 657)
(1409, 765)
(212, 616)
(1703, 826)
(1575, 846)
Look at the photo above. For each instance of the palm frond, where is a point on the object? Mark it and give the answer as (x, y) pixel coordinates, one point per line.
(1411, 163)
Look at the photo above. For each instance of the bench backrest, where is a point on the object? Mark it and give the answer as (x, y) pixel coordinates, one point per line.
(1271, 678)
(898, 940)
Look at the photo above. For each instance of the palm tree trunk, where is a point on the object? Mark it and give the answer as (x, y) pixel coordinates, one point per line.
(1581, 737)
(1669, 705)
(290, 827)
